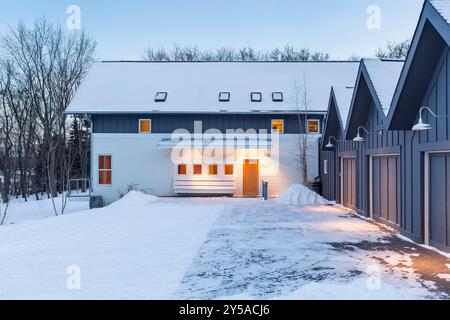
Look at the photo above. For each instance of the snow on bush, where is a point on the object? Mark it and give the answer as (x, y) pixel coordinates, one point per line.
(300, 195)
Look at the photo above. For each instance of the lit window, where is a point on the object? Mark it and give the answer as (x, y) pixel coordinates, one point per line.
(256, 96)
(277, 126)
(145, 126)
(224, 97)
(313, 126)
(197, 169)
(182, 169)
(277, 96)
(213, 169)
(161, 97)
(229, 169)
(104, 170)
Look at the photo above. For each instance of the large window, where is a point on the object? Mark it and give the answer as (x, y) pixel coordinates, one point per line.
(104, 170)
(145, 126)
(277, 126)
(313, 126)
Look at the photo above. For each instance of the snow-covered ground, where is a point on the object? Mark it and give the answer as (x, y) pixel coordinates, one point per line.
(143, 247)
(20, 210)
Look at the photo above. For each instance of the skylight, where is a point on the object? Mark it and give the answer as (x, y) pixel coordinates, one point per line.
(224, 97)
(161, 97)
(277, 96)
(256, 96)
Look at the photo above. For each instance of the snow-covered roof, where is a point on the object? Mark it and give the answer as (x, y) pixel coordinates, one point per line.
(443, 7)
(120, 87)
(384, 75)
(343, 96)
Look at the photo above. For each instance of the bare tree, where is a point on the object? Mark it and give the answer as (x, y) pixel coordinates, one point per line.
(50, 65)
(394, 50)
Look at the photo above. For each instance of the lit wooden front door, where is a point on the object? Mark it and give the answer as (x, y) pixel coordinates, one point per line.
(251, 178)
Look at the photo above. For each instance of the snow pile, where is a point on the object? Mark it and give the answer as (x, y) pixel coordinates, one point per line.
(134, 198)
(300, 195)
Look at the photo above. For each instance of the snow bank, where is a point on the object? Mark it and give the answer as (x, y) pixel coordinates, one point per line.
(134, 198)
(300, 195)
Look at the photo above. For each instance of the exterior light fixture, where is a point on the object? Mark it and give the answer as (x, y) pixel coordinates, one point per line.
(359, 138)
(422, 126)
(330, 145)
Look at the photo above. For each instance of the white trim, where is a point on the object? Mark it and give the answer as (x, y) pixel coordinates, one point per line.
(271, 125)
(318, 126)
(426, 195)
(325, 166)
(140, 120)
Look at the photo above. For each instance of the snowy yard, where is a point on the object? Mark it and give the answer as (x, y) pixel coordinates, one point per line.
(148, 248)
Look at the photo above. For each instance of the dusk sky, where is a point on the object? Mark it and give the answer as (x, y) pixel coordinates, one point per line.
(124, 29)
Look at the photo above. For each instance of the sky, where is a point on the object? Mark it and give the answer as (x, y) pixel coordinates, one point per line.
(123, 29)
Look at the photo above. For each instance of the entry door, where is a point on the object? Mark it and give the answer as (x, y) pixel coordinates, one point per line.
(251, 178)
(439, 201)
(349, 182)
(386, 189)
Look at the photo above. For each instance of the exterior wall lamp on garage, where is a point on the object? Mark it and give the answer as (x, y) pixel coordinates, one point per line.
(359, 138)
(330, 145)
(422, 126)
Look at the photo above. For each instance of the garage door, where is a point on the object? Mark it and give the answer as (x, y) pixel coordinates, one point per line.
(439, 201)
(349, 182)
(386, 189)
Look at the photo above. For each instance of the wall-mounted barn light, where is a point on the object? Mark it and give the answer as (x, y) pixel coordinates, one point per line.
(359, 138)
(330, 145)
(422, 126)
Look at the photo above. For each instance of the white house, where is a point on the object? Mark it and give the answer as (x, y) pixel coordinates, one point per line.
(154, 125)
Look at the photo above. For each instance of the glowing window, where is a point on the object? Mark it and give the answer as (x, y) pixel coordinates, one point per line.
(213, 169)
(197, 169)
(104, 170)
(313, 126)
(145, 126)
(182, 169)
(229, 169)
(256, 96)
(277, 126)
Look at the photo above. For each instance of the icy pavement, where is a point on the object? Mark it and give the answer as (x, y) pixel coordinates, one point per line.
(264, 250)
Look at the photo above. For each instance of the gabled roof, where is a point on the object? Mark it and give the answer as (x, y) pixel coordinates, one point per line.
(431, 37)
(130, 87)
(338, 109)
(376, 81)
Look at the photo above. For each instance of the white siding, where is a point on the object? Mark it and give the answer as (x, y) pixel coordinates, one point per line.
(137, 160)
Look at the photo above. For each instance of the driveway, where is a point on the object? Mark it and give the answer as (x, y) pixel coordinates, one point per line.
(264, 250)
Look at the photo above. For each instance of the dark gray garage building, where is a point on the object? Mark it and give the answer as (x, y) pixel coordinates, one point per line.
(425, 81)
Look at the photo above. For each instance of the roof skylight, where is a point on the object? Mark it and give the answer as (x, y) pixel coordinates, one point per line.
(224, 97)
(277, 96)
(256, 96)
(161, 97)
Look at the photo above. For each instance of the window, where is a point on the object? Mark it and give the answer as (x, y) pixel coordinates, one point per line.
(161, 97)
(278, 126)
(325, 166)
(104, 170)
(229, 169)
(256, 96)
(213, 169)
(313, 126)
(277, 96)
(224, 97)
(182, 169)
(197, 169)
(145, 126)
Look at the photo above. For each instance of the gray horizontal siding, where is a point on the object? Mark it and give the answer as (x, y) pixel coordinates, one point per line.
(167, 123)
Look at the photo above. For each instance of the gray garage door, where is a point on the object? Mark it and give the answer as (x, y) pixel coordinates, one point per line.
(386, 189)
(349, 182)
(439, 199)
